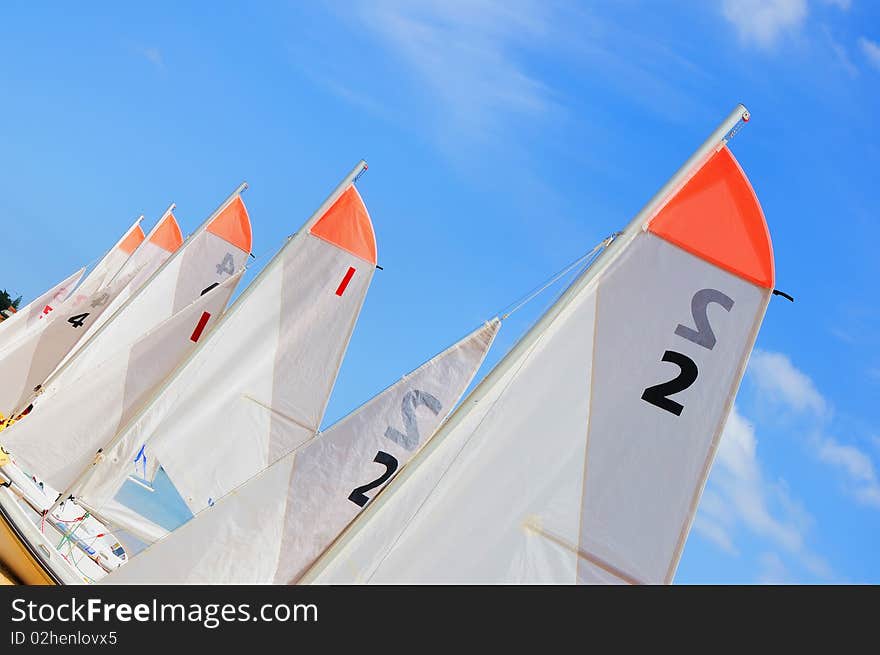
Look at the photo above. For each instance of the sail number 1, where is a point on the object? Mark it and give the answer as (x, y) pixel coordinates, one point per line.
(702, 335)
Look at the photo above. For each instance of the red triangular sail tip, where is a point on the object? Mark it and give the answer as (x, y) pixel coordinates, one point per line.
(717, 217)
(347, 225)
(233, 225)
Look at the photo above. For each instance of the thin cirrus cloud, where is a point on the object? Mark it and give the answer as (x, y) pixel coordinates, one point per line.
(764, 22)
(871, 50)
(740, 496)
(465, 53)
(780, 382)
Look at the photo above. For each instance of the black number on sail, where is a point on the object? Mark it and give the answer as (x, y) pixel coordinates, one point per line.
(358, 496)
(227, 265)
(658, 395)
(411, 401)
(78, 320)
(703, 335)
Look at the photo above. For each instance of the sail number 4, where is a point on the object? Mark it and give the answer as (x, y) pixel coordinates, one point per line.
(409, 441)
(702, 335)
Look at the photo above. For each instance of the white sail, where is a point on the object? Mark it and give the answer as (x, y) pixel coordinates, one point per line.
(121, 517)
(258, 386)
(218, 249)
(64, 436)
(25, 364)
(274, 526)
(109, 265)
(37, 310)
(582, 456)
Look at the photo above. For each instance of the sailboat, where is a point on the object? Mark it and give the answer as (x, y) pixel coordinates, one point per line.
(270, 529)
(15, 328)
(173, 273)
(312, 291)
(581, 457)
(38, 309)
(114, 259)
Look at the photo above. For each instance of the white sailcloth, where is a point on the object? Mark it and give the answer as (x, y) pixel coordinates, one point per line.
(121, 517)
(258, 386)
(273, 527)
(27, 363)
(63, 437)
(106, 269)
(585, 457)
(218, 249)
(37, 310)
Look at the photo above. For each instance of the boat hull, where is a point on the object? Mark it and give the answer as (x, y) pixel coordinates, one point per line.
(18, 563)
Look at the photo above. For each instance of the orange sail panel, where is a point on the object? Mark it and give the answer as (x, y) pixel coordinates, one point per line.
(167, 235)
(347, 225)
(233, 225)
(717, 217)
(133, 240)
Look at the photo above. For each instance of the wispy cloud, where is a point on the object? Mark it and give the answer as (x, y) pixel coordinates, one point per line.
(773, 570)
(467, 55)
(780, 382)
(871, 50)
(740, 495)
(776, 376)
(764, 22)
(856, 466)
(840, 4)
(152, 55)
(841, 54)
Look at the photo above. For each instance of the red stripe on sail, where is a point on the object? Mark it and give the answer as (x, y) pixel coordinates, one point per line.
(203, 321)
(344, 284)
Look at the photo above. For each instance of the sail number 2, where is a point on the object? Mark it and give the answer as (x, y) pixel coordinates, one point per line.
(409, 441)
(702, 335)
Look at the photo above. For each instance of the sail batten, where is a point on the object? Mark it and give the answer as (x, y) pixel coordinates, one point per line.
(301, 502)
(279, 344)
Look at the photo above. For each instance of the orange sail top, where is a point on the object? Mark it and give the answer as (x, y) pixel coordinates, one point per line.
(716, 216)
(167, 235)
(347, 225)
(234, 225)
(133, 240)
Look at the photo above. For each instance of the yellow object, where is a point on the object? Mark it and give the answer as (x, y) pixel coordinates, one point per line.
(4, 457)
(16, 561)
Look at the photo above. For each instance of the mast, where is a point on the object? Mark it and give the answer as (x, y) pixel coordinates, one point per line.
(235, 194)
(146, 240)
(331, 199)
(716, 140)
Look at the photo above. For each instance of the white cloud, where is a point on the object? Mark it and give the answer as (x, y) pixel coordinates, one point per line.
(840, 4)
(152, 55)
(871, 50)
(763, 22)
(773, 570)
(780, 380)
(739, 495)
(856, 465)
(465, 54)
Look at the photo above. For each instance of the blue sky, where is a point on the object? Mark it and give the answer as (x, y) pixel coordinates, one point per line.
(504, 139)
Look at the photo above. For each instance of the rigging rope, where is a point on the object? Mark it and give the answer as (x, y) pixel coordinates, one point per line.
(589, 258)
